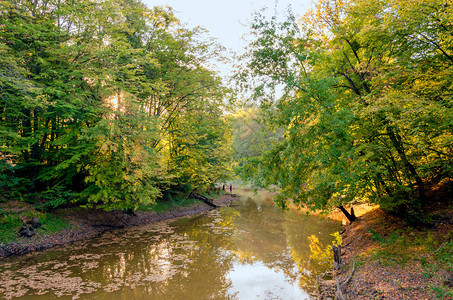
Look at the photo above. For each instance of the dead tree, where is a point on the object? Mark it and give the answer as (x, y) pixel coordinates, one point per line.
(336, 256)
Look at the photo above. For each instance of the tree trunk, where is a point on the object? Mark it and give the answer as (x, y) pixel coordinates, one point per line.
(410, 169)
(204, 199)
(351, 216)
(336, 256)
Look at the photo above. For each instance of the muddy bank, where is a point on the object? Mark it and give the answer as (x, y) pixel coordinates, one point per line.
(88, 223)
(384, 258)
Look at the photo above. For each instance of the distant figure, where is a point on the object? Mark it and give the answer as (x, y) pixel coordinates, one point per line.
(223, 188)
(231, 189)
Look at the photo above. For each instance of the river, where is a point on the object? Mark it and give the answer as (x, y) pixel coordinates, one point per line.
(251, 250)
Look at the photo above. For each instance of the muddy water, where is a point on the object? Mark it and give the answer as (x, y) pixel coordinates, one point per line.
(249, 251)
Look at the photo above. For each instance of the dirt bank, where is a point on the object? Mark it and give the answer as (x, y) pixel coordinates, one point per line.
(384, 258)
(88, 223)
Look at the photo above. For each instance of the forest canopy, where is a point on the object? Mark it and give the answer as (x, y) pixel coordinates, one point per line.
(107, 104)
(366, 106)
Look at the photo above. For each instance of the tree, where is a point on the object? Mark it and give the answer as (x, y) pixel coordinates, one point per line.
(357, 124)
(93, 95)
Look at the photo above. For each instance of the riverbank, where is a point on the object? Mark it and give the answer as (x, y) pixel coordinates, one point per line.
(82, 223)
(384, 258)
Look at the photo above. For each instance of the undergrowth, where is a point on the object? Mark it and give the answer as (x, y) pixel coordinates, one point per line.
(432, 251)
(10, 223)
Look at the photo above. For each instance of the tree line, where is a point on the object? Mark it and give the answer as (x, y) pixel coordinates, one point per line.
(107, 104)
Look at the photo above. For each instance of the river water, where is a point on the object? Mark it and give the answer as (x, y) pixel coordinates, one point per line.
(249, 251)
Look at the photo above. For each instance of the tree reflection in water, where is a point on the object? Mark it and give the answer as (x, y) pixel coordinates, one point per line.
(231, 253)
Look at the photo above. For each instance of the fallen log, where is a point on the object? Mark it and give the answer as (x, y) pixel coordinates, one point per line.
(204, 199)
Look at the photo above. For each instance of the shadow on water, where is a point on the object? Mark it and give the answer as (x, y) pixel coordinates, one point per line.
(253, 250)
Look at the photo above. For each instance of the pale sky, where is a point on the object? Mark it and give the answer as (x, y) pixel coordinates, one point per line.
(227, 20)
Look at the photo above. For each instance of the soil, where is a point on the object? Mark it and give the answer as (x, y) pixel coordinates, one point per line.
(372, 270)
(88, 223)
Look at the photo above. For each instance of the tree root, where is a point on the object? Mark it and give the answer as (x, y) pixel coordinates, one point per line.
(340, 285)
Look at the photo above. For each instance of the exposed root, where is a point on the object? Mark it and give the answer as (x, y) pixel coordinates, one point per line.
(350, 275)
(340, 285)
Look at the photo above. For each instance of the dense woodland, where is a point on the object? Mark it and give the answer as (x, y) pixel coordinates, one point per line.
(366, 106)
(107, 104)
(111, 104)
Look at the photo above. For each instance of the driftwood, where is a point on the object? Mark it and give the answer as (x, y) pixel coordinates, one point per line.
(340, 284)
(108, 226)
(350, 275)
(204, 199)
(339, 293)
(336, 256)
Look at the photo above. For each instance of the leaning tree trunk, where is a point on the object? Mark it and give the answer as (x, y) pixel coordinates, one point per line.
(204, 199)
(351, 216)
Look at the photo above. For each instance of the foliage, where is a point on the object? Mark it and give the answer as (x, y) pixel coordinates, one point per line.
(199, 153)
(173, 202)
(366, 105)
(9, 182)
(56, 197)
(323, 255)
(250, 134)
(95, 96)
(251, 139)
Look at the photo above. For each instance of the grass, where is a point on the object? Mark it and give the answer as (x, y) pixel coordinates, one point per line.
(9, 226)
(178, 201)
(167, 205)
(433, 251)
(441, 291)
(10, 223)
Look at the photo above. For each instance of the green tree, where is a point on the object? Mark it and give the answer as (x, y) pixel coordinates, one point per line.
(366, 112)
(93, 93)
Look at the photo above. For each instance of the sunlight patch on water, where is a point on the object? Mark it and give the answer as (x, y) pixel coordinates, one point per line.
(256, 281)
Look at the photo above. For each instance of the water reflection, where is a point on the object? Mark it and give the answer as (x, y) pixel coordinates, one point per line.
(250, 251)
(257, 281)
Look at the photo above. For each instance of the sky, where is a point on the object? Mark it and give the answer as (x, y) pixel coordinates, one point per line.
(227, 20)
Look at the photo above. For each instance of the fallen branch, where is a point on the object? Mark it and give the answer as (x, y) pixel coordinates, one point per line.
(204, 199)
(352, 272)
(118, 218)
(339, 292)
(348, 244)
(441, 246)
